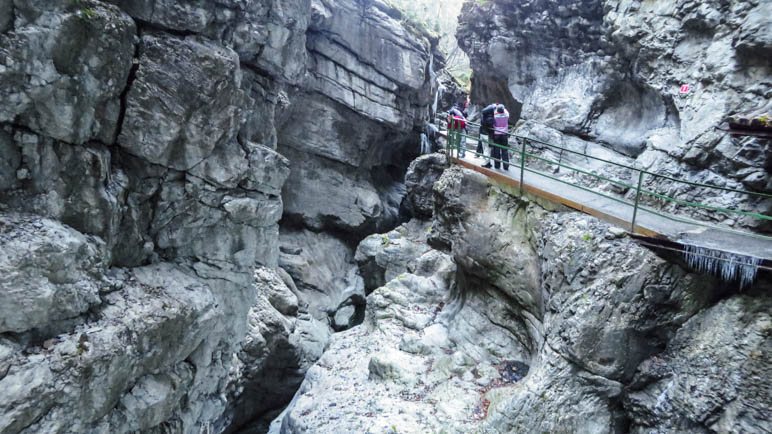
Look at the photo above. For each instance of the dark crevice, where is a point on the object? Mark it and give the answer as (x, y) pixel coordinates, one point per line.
(145, 26)
(256, 69)
(9, 26)
(129, 83)
(15, 126)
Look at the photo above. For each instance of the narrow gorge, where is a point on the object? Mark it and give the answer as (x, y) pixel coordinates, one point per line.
(220, 216)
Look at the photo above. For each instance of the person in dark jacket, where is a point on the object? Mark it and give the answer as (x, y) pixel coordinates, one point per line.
(500, 153)
(487, 122)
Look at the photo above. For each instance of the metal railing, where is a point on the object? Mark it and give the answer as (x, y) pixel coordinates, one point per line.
(641, 195)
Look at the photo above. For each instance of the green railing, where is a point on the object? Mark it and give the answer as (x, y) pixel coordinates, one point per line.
(641, 196)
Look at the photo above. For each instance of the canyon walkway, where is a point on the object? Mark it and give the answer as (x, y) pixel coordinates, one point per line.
(620, 194)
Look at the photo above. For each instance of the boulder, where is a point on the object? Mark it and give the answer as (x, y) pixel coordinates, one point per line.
(239, 228)
(713, 375)
(421, 175)
(133, 364)
(55, 77)
(49, 273)
(76, 184)
(184, 101)
(383, 257)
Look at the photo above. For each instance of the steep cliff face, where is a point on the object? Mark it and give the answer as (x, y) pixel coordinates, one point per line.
(140, 189)
(609, 73)
(351, 127)
(500, 315)
(354, 121)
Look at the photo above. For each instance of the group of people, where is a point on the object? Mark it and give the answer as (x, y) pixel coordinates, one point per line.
(494, 127)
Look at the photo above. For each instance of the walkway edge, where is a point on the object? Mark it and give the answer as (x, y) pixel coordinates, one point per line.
(505, 180)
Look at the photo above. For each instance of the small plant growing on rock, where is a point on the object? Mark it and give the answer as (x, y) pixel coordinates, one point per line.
(587, 237)
(88, 13)
(84, 11)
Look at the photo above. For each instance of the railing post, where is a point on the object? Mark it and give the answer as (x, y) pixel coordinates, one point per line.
(453, 141)
(522, 165)
(560, 161)
(637, 199)
(452, 138)
(449, 151)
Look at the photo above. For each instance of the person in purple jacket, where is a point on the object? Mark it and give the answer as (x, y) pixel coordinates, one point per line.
(500, 137)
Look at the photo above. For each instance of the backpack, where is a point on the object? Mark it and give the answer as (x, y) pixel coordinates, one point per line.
(488, 116)
(458, 123)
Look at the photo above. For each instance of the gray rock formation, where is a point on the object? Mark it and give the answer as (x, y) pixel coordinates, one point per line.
(730, 334)
(57, 78)
(140, 188)
(150, 148)
(355, 122)
(282, 342)
(49, 273)
(134, 363)
(183, 103)
(610, 72)
(535, 321)
(321, 267)
(421, 175)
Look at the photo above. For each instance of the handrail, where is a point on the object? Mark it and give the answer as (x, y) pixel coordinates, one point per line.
(455, 142)
(561, 148)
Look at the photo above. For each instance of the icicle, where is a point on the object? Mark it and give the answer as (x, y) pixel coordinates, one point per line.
(437, 97)
(728, 266)
(426, 147)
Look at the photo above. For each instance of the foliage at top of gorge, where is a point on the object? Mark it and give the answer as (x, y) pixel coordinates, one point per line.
(441, 18)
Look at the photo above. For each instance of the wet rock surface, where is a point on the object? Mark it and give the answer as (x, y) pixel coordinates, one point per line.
(725, 347)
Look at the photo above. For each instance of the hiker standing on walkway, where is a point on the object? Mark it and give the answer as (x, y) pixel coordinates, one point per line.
(501, 137)
(457, 123)
(487, 123)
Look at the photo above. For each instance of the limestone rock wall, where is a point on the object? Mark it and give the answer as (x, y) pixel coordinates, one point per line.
(350, 128)
(355, 121)
(141, 187)
(609, 72)
(501, 314)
